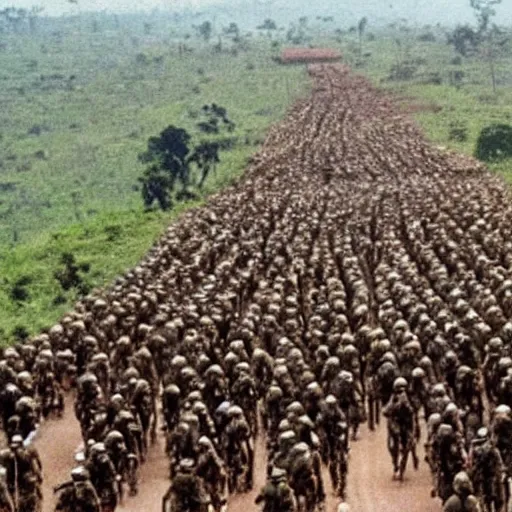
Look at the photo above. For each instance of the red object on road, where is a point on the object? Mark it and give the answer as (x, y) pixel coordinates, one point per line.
(307, 55)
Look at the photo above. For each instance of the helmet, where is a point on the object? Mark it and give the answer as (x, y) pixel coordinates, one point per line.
(503, 409)
(235, 411)
(80, 474)
(495, 345)
(444, 430)
(295, 408)
(439, 390)
(284, 425)
(286, 439)
(187, 465)
(204, 442)
(346, 376)
(434, 420)
(482, 434)
(331, 400)
(462, 483)
(278, 474)
(399, 384)
(418, 373)
(462, 371)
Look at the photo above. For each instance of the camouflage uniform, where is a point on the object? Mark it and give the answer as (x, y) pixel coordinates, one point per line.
(185, 493)
(78, 495)
(277, 495)
(486, 472)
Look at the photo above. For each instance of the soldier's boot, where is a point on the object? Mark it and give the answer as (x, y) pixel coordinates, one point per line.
(403, 465)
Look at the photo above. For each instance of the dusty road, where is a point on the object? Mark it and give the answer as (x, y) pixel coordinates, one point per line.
(370, 486)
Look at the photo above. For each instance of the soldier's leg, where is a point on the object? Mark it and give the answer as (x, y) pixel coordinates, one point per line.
(393, 450)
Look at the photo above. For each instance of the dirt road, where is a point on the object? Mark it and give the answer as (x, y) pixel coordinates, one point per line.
(370, 486)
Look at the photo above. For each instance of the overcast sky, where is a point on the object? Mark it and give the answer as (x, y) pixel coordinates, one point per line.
(423, 11)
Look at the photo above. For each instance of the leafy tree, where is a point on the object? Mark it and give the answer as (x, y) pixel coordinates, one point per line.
(205, 30)
(494, 143)
(205, 156)
(214, 115)
(232, 30)
(464, 40)
(167, 158)
(268, 24)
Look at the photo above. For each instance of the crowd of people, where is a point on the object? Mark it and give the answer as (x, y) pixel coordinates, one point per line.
(354, 275)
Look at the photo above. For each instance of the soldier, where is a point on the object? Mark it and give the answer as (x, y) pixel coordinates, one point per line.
(238, 448)
(185, 494)
(210, 468)
(400, 415)
(303, 477)
(277, 495)
(349, 400)
(451, 459)
(125, 463)
(333, 430)
(171, 406)
(6, 503)
(486, 472)
(502, 433)
(103, 476)
(462, 500)
(24, 475)
(244, 392)
(78, 495)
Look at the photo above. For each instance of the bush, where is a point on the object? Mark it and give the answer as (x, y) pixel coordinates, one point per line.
(19, 292)
(494, 143)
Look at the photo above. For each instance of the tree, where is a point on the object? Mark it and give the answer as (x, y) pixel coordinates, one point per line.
(232, 30)
(205, 156)
(205, 30)
(361, 27)
(167, 158)
(215, 114)
(268, 24)
(494, 143)
(464, 40)
(489, 41)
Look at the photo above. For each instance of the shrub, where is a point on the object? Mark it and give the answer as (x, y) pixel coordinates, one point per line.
(494, 143)
(18, 292)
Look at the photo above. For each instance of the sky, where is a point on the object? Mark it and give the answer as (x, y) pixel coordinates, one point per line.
(421, 11)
